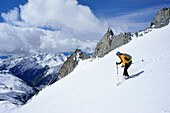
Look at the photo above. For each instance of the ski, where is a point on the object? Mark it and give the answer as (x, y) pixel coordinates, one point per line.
(124, 79)
(118, 83)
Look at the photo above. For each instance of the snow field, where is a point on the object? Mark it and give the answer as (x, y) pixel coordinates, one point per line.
(91, 87)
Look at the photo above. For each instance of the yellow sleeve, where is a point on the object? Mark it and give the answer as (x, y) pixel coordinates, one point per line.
(123, 59)
(120, 62)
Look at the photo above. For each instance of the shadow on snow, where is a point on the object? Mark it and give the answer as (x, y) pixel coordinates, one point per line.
(136, 75)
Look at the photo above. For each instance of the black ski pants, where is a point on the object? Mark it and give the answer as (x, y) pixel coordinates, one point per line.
(127, 65)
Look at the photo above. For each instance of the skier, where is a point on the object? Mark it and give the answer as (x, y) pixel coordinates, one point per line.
(126, 61)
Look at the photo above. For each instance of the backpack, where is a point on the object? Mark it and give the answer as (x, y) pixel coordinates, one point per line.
(130, 57)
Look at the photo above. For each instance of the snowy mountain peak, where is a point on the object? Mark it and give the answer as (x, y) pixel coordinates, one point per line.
(35, 72)
(14, 92)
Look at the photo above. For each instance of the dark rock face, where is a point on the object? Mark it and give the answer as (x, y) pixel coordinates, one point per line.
(161, 19)
(71, 63)
(29, 71)
(110, 41)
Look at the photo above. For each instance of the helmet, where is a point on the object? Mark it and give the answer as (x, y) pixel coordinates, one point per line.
(118, 53)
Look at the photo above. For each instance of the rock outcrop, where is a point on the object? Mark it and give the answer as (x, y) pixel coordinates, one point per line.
(110, 41)
(71, 62)
(161, 19)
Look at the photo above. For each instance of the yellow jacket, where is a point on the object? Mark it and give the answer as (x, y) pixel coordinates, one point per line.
(124, 59)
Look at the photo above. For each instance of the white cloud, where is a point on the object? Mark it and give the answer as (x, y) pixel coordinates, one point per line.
(11, 16)
(18, 40)
(75, 26)
(58, 41)
(23, 40)
(62, 14)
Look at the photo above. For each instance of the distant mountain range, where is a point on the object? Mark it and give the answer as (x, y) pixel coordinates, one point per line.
(23, 77)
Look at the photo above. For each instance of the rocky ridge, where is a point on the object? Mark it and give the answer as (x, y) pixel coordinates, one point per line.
(110, 41)
(71, 63)
(161, 18)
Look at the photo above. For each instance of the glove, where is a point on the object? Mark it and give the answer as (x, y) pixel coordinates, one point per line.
(117, 63)
(122, 66)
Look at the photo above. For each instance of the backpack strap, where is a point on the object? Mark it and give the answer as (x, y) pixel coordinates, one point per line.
(130, 57)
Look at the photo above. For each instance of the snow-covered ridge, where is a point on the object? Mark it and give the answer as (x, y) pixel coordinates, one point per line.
(50, 59)
(91, 87)
(14, 92)
(37, 71)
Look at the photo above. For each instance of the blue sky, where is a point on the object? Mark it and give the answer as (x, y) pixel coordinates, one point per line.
(120, 7)
(114, 8)
(64, 25)
(6, 5)
(102, 8)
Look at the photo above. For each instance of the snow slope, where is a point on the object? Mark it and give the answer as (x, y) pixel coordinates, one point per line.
(91, 87)
(14, 92)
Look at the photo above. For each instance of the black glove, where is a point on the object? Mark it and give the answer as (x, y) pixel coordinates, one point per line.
(122, 66)
(117, 63)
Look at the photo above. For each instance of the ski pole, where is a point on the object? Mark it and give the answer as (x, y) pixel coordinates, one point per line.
(117, 73)
(118, 83)
(117, 69)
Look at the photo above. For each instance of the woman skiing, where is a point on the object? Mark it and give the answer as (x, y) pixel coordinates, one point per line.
(126, 61)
